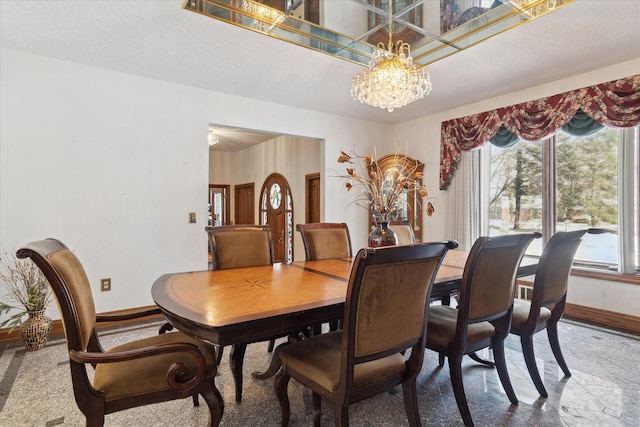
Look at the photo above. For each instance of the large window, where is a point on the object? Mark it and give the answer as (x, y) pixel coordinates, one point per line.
(565, 183)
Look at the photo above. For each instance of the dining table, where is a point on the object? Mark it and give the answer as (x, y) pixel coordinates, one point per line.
(237, 307)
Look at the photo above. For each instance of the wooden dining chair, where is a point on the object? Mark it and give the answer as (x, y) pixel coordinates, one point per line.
(150, 370)
(547, 302)
(325, 240)
(483, 316)
(385, 314)
(404, 231)
(237, 246)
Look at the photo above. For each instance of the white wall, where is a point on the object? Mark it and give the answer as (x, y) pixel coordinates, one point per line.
(424, 138)
(112, 163)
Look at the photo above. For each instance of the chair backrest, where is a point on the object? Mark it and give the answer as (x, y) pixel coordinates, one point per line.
(235, 246)
(552, 273)
(387, 301)
(325, 240)
(70, 286)
(488, 280)
(404, 232)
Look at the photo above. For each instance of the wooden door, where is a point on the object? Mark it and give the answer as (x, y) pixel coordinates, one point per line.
(244, 204)
(276, 210)
(312, 198)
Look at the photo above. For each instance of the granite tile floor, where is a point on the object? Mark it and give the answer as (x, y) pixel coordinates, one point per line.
(604, 390)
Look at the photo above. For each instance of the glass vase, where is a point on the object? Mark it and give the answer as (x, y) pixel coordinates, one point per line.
(382, 235)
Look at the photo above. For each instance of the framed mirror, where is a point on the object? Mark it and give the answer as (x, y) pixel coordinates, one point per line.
(409, 205)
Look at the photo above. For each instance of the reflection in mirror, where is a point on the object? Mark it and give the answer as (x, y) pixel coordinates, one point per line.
(342, 28)
(408, 207)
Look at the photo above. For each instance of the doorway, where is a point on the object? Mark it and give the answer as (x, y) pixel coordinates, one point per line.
(219, 205)
(276, 210)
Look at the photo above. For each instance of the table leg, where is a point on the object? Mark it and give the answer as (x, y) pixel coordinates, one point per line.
(236, 360)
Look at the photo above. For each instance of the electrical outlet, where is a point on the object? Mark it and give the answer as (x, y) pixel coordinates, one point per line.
(192, 217)
(105, 285)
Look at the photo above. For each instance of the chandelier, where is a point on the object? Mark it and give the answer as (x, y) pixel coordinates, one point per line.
(267, 17)
(391, 80)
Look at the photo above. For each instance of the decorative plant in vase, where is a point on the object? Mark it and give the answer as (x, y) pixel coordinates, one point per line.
(381, 190)
(27, 293)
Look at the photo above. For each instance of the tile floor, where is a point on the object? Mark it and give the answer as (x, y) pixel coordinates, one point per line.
(35, 389)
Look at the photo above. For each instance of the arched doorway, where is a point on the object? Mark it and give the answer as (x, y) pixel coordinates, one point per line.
(276, 210)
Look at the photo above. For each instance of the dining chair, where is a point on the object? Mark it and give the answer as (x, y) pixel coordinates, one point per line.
(404, 231)
(325, 240)
(547, 302)
(482, 317)
(237, 246)
(150, 370)
(385, 314)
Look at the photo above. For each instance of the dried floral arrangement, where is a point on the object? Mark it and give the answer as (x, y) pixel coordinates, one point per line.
(381, 191)
(27, 290)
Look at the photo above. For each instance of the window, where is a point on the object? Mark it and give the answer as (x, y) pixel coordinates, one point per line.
(566, 183)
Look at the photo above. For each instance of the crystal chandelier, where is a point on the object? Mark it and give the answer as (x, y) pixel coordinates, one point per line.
(391, 80)
(267, 17)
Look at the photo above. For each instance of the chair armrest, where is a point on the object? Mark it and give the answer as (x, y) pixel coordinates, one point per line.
(107, 317)
(175, 372)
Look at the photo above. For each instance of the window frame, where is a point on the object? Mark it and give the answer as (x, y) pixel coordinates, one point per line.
(628, 212)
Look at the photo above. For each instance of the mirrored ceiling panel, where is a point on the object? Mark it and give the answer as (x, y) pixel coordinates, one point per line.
(350, 29)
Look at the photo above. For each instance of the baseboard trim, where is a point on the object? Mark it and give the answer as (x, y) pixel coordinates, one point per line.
(609, 319)
(57, 330)
(594, 316)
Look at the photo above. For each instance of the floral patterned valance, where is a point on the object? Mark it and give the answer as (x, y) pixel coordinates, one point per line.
(615, 104)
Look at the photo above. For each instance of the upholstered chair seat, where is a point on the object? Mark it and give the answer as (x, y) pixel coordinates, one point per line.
(147, 375)
(319, 361)
(385, 314)
(521, 311)
(443, 320)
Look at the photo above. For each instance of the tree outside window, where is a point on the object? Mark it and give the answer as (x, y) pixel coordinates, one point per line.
(586, 190)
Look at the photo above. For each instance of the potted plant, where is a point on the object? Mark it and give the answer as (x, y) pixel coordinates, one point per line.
(26, 292)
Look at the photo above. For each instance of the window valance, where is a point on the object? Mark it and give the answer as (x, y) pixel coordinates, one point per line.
(615, 104)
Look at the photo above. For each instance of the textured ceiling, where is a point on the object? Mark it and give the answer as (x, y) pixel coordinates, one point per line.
(160, 40)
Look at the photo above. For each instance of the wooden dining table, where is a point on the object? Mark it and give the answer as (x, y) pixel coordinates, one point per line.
(245, 305)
